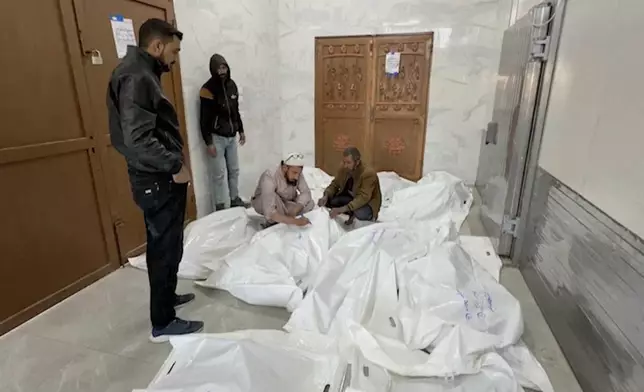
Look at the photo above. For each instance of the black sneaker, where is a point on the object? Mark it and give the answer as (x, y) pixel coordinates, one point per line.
(183, 299)
(176, 328)
(238, 202)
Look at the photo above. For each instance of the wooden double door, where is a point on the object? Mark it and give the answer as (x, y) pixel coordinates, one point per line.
(67, 215)
(358, 103)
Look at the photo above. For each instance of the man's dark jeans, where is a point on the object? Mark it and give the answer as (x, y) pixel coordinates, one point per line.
(163, 204)
(363, 213)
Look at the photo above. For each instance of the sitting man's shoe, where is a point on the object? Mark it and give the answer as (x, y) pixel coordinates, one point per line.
(177, 327)
(238, 202)
(220, 207)
(183, 299)
(350, 221)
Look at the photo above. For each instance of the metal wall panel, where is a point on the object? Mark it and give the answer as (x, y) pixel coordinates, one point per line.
(587, 274)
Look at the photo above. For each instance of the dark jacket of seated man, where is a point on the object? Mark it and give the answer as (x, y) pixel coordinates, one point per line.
(358, 191)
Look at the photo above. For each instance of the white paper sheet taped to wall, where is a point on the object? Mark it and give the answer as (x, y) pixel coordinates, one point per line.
(406, 298)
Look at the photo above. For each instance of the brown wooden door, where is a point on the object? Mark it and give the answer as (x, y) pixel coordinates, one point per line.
(400, 102)
(55, 232)
(343, 73)
(390, 125)
(96, 35)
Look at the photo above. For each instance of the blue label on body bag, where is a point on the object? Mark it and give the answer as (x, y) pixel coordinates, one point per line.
(117, 18)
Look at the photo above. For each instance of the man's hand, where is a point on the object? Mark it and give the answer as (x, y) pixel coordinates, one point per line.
(183, 176)
(242, 139)
(302, 221)
(212, 150)
(322, 202)
(338, 211)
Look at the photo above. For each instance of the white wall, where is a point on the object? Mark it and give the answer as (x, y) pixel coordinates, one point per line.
(594, 133)
(270, 47)
(468, 36)
(245, 32)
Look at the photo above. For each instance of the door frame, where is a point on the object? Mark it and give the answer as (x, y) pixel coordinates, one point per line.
(371, 90)
(534, 147)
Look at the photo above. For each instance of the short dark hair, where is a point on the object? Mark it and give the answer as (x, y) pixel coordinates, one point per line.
(352, 152)
(157, 28)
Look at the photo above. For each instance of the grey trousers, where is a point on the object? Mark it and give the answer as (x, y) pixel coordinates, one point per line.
(224, 170)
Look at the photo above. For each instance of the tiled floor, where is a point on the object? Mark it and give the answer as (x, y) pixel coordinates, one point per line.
(96, 341)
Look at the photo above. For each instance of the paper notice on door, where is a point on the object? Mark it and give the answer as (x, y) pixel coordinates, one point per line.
(123, 31)
(392, 63)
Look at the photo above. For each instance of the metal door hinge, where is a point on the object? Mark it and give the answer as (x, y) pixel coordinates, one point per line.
(540, 48)
(510, 225)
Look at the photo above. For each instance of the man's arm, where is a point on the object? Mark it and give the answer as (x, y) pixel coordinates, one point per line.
(333, 188)
(236, 113)
(138, 122)
(363, 196)
(206, 114)
(304, 198)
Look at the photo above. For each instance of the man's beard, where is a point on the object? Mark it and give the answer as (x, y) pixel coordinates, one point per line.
(164, 67)
(291, 182)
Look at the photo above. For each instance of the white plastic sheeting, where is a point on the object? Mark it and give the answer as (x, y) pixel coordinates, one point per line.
(212, 237)
(274, 361)
(278, 264)
(209, 239)
(406, 303)
(251, 361)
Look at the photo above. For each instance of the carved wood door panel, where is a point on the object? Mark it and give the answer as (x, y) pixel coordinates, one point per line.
(358, 104)
(343, 73)
(397, 138)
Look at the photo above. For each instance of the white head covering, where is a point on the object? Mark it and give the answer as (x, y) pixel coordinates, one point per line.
(294, 159)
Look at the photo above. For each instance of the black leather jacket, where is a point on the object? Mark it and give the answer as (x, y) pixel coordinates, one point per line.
(144, 126)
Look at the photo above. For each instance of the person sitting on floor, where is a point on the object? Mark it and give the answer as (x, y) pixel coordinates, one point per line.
(354, 191)
(282, 195)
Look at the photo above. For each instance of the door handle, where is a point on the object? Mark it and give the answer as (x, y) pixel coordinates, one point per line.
(491, 133)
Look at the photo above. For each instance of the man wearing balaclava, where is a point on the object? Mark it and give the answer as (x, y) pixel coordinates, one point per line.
(220, 124)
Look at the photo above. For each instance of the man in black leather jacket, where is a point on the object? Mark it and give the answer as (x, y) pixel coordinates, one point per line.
(144, 128)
